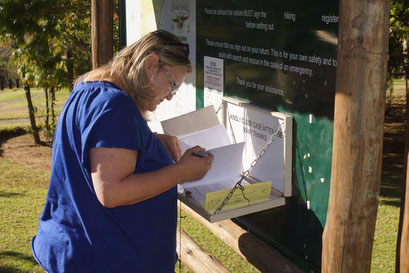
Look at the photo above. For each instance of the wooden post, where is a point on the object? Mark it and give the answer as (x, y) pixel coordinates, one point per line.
(195, 257)
(246, 245)
(403, 245)
(358, 136)
(102, 32)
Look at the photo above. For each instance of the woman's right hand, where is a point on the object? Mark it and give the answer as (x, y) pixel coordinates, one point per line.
(194, 167)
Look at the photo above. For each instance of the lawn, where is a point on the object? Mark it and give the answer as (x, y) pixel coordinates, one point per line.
(16, 107)
(23, 191)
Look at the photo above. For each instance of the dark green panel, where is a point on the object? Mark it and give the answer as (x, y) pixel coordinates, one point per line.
(122, 23)
(255, 38)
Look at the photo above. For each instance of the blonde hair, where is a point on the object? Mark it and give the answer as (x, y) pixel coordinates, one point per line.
(128, 65)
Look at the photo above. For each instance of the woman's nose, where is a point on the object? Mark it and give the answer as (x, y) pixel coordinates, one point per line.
(169, 97)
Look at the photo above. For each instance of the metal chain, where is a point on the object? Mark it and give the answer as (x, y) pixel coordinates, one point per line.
(220, 108)
(246, 173)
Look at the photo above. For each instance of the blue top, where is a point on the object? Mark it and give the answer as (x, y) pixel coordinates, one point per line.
(76, 233)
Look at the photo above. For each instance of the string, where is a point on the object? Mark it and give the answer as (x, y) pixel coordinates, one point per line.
(242, 192)
(180, 238)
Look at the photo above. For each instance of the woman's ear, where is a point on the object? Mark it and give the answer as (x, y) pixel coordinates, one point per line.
(152, 62)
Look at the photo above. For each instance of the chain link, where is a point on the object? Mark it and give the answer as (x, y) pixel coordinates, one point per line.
(220, 108)
(247, 172)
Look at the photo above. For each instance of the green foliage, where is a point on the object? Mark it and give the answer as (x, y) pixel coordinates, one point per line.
(399, 38)
(7, 67)
(51, 39)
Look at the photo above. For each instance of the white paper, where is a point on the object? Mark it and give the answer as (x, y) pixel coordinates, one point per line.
(209, 139)
(227, 165)
(255, 128)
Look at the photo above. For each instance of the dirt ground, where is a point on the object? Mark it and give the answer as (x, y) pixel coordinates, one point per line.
(22, 150)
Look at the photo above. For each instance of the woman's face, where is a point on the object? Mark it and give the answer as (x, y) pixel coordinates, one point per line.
(164, 82)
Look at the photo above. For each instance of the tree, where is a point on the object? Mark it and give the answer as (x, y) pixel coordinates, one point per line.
(51, 39)
(398, 40)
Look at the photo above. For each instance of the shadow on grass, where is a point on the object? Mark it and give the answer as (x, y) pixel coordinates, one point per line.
(9, 269)
(16, 255)
(392, 158)
(6, 134)
(9, 194)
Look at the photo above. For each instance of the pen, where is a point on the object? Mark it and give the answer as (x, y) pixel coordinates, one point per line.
(200, 154)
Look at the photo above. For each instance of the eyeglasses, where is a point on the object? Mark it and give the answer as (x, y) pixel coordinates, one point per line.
(173, 85)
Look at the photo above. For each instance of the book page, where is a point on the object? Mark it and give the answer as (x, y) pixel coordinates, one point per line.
(209, 138)
(227, 165)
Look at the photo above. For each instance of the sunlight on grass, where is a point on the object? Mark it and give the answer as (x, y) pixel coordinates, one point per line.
(38, 99)
(17, 94)
(12, 126)
(386, 232)
(22, 197)
(201, 235)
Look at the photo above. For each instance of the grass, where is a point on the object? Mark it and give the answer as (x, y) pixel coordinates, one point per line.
(22, 196)
(23, 191)
(228, 257)
(384, 249)
(17, 104)
(15, 126)
(23, 114)
(17, 94)
(386, 231)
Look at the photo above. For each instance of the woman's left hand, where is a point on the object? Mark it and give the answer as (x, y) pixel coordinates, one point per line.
(172, 146)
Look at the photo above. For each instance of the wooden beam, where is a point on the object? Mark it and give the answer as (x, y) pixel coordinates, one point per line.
(195, 257)
(358, 136)
(249, 247)
(403, 235)
(102, 32)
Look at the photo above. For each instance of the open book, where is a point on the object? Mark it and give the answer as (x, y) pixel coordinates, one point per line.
(234, 149)
(212, 189)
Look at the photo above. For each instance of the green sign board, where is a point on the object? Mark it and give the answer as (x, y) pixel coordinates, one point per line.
(281, 55)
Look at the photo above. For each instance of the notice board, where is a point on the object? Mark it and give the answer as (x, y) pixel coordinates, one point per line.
(281, 55)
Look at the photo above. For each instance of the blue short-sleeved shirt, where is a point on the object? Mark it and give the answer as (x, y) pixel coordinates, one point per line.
(76, 233)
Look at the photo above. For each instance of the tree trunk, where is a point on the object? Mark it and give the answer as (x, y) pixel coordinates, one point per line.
(47, 111)
(52, 95)
(70, 67)
(34, 128)
(358, 136)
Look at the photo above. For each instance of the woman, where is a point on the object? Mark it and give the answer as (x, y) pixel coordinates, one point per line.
(111, 204)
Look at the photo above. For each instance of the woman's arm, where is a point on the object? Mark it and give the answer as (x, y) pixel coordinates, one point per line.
(116, 185)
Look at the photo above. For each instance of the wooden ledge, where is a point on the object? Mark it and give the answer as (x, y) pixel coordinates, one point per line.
(246, 245)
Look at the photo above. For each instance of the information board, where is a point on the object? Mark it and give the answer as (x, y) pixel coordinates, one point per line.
(179, 18)
(281, 55)
(275, 52)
